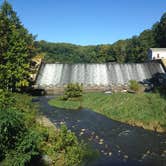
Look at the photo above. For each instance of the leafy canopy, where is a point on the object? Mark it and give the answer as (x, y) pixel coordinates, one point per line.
(16, 49)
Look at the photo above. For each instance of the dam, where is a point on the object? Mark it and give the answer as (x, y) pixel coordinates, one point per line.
(57, 75)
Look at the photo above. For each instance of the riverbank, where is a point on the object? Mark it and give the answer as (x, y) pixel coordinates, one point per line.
(27, 137)
(146, 110)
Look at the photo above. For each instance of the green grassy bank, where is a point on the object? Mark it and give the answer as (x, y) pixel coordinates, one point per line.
(146, 110)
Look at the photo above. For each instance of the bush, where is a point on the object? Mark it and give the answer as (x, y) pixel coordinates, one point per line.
(75, 152)
(161, 89)
(26, 149)
(6, 99)
(134, 86)
(72, 91)
(65, 139)
(18, 144)
(24, 142)
(11, 128)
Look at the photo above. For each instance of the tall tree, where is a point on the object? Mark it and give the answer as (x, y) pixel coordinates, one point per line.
(16, 50)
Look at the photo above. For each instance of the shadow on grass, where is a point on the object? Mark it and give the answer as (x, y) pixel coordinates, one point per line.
(157, 84)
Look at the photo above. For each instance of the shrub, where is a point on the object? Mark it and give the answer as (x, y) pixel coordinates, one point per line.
(72, 91)
(17, 144)
(26, 149)
(134, 85)
(24, 142)
(11, 128)
(161, 89)
(75, 152)
(6, 99)
(65, 139)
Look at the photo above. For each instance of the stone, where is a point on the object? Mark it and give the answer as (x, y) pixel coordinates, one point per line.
(62, 122)
(93, 133)
(144, 156)
(163, 155)
(125, 156)
(46, 160)
(101, 140)
(81, 133)
(124, 90)
(108, 92)
(106, 146)
(110, 153)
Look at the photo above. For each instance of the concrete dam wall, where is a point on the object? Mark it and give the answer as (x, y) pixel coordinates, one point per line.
(95, 75)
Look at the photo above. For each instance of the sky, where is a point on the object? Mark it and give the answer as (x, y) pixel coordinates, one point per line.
(87, 22)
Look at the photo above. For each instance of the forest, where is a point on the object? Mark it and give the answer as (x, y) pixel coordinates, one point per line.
(123, 51)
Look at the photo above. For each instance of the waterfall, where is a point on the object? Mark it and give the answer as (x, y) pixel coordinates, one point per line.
(58, 75)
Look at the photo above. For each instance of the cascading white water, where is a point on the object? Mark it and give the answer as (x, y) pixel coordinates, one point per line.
(57, 75)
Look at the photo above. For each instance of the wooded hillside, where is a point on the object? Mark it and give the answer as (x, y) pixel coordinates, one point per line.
(129, 50)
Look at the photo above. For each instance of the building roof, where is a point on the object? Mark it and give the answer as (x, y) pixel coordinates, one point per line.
(158, 49)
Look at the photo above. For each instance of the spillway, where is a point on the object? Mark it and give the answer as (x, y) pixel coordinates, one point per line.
(92, 75)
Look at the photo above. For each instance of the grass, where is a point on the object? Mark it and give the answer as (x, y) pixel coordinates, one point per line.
(147, 110)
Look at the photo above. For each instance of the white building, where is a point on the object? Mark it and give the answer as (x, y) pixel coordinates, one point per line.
(157, 53)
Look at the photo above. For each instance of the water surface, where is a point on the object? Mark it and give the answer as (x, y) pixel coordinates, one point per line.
(119, 144)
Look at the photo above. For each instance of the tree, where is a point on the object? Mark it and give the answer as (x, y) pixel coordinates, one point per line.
(160, 32)
(133, 49)
(119, 50)
(16, 50)
(104, 53)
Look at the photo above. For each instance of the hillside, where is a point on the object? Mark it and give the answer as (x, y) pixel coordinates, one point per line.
(129, 50)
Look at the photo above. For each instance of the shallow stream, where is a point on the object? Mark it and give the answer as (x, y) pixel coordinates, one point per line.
(119, 144)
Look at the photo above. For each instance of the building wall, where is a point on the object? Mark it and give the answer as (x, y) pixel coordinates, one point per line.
(158, 55)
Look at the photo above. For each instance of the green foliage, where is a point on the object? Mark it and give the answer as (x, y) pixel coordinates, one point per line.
(23, 139)
(161, 89)
(26, 149)
(6, 99)
(73, 90)
(134, 85)
(16, 49)
(160, 32)
(20, 102)
(11, 128)
(18, 139)
(75, 152)
(63, 147)
(65, 139)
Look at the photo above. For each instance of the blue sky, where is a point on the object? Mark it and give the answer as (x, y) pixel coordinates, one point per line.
(88, 22)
